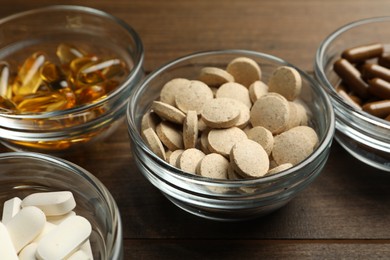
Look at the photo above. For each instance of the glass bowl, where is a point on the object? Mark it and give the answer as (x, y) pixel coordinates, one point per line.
(364, 136)
(24, 173)
(92, 30)
(227, 200)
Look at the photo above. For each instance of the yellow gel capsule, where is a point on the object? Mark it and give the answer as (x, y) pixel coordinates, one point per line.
(66, 90)
(50, 72)
(77, 64)
(29, 79)
(4, 79)
(6, 105)
(101, 71)
(110, 85)
(42, 102)
(67, 52)
(89, 94)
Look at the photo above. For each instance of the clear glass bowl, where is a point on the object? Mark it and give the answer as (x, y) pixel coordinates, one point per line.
(43, 29)
(227, 200)
(364, 136)
(24, 173)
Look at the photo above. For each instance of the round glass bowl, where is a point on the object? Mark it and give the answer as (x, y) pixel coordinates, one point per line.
(44, 29)
(364, 136)
(24, 173)
(227, 200)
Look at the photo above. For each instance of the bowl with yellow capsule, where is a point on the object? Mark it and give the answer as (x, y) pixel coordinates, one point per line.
(66, 73)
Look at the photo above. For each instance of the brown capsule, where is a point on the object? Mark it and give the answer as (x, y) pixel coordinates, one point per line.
(352, 77)
(351, 101)
(388, 118)
(378, 108)
(384, 60)
(379, 88)
(371, 70)
(362, 53)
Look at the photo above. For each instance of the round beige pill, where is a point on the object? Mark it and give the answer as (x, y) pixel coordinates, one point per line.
(262, 136)
(170, 136)
(271, 111)
(244, 70)
(149, 120)
(294, 119)
(202, 125)
(154, 143)
(222, 140)
(286, 81)
(292, 146)
(190, 129)
(235, 91)
(232, 174)
(220, 113)
(301, 113)
(173, 157)
(214, 77)
(257, 89)
(171, 88)
(214, 166)
(189, 160)
(308, 132)
(244, 117)
(168, 112)
(193, 96)
(279, 168)
(249, 159)
(204, 142)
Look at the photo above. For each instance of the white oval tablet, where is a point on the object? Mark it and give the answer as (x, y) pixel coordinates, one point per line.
(65, 239)
(46, 229)
(25, 226)
(79, 255)
(10, 208)
(51, 203)
(56, 220)
(7, 248)
(28, 252)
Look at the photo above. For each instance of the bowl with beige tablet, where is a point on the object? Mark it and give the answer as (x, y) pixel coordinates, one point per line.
(230, 134)
(53, 209)
(66, 73)
(353, 66)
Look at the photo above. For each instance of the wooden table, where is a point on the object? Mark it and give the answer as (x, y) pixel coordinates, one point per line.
(345, 213)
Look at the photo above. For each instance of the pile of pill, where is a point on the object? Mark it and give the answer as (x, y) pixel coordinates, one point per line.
(229, 124)
(365, 79)
(72, 78)
(44, 226)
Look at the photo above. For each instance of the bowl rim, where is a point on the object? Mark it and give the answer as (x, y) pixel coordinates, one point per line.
(138, 61)
(329, 88)
(89, 177)
(177, 173)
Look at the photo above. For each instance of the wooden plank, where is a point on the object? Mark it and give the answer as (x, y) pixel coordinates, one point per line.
(249, 249)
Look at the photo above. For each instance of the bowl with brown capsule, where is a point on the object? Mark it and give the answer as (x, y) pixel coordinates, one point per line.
(352, 65)
(218, 134)
(66, 73)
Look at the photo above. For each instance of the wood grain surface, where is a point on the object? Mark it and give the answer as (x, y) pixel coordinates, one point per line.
(344, 214)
